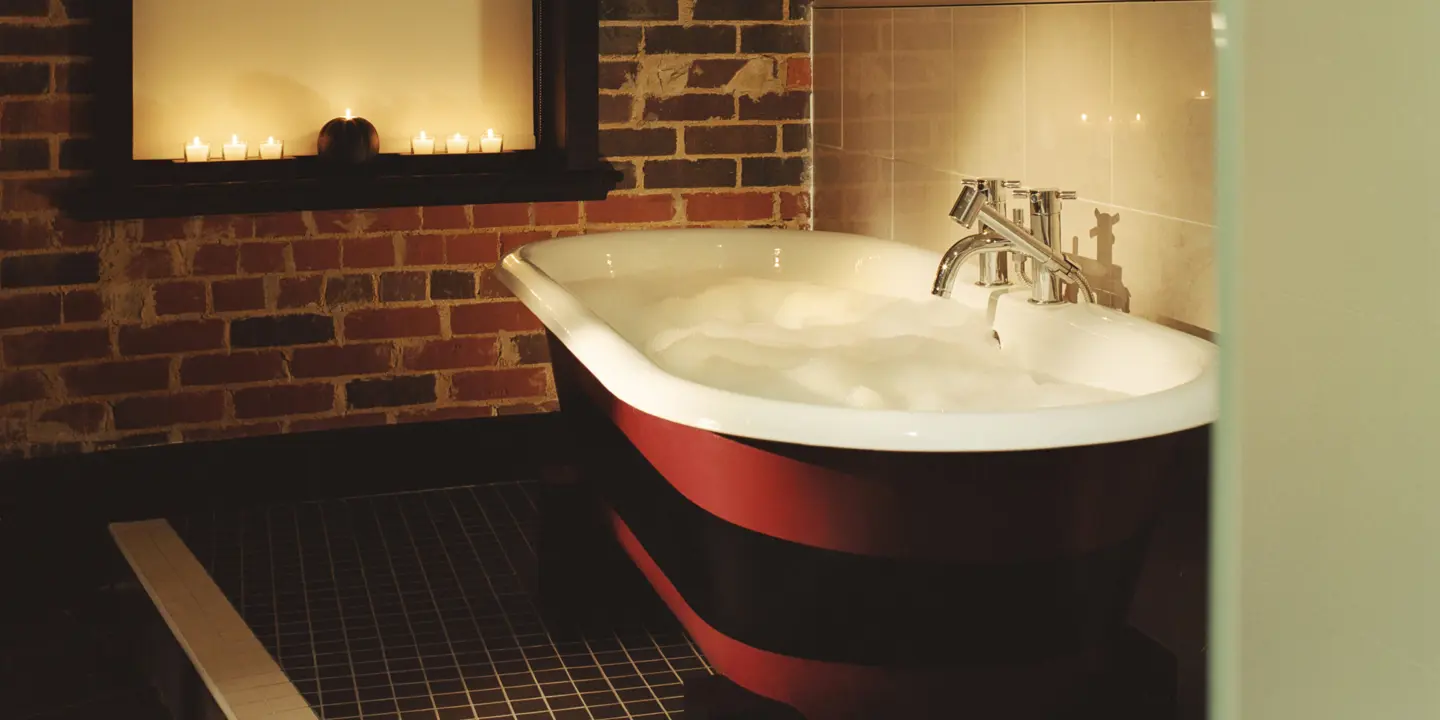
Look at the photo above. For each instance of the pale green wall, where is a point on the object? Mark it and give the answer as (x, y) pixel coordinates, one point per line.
(1327, 537)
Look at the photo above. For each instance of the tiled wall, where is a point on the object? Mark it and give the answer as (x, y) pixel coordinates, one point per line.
(1114, 101)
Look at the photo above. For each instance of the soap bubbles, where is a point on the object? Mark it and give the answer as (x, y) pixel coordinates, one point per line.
(809, 343)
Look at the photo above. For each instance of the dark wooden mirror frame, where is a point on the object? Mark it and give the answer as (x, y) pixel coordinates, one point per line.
(565, 165)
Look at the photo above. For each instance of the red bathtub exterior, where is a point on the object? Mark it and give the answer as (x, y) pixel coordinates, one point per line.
(1022, 562)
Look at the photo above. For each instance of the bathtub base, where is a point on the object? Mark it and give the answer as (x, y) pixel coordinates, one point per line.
(927, 587)
(719, 698)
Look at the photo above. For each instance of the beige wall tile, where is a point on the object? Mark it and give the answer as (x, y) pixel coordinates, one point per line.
(1155, 267)
(989, 72)
(826, 45)
(853, 193)
(925, 93)
(923, 197)
(1067, 94)
(868, 91)
(1164, 128)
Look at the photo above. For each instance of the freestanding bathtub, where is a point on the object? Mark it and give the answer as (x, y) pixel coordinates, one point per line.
(843, 556)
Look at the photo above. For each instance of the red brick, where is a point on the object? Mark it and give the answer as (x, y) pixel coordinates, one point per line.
(300, 291)
(496, 216)
(72, 233)
(262, 257)
(631, 209)
(173, 409)
(23, 234)
(150, 263)
(501, 384)
(460, 412)
(280, 225)
(557, 213)
(216, 260)
(490, 286)
(224, 368)
(178, 298)
(424, 250)
(233, 227)
(457, 353)
(29, 310)
(232, 432)
(316, 254)
(339, 360)
(392, 323)
(450, 217)
(45, 116)
(30, 194)
(276, 400)
(485, 318)
(370, 252)
(393, 220)
(797, 74)
(709, 207)
(173, 337)
(114, 378)
(83, 306)
(337, 423)
(472, 248)
(794, 205)
(163, 229)
(19, 387)
(56, 346)
(511, 240)
(80, 417)
(334, 221)
(234, 295)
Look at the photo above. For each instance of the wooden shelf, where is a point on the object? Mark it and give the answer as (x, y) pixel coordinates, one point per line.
(164, 188)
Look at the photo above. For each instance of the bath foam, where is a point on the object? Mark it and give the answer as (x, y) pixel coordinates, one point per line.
(803, 342)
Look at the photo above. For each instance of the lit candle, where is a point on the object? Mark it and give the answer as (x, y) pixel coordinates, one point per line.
(234, 150)
(491, 142)
(422, 145)
(457, 144)
(272, 150)
(197, 151)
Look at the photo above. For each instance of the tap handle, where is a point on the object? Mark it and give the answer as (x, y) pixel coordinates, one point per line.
(1068, 195)
(1011, 184)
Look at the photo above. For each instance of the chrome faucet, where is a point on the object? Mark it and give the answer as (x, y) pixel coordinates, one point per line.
(1041, 244)
(995, 267)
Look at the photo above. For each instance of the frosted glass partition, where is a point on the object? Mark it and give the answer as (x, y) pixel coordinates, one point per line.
(282, 68)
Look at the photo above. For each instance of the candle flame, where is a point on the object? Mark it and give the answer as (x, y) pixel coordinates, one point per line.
(234, 139)
(196, 142)
(490, 133)
(456, 138)
(422, 135)
(270, 141)
(348, 116)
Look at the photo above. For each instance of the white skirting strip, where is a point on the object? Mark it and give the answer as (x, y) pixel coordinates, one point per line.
(245, 681)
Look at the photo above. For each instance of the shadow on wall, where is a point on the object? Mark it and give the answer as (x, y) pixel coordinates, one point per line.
(1107, 278)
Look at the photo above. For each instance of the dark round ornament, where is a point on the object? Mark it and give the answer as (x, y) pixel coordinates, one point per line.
(348, 141)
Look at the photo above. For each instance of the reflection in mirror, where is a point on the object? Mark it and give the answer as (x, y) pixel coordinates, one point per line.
(257, 69)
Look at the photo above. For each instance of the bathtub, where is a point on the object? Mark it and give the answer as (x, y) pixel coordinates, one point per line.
(855, 562)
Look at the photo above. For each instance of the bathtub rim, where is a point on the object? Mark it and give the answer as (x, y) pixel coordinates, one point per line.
(633, 378)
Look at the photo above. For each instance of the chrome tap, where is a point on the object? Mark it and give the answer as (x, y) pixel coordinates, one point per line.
(995, 267)
(998, 234)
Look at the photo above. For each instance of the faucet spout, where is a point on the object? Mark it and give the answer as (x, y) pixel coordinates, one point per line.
(977, 244)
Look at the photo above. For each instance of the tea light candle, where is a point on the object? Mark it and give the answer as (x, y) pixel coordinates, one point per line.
(197, 151)
(272, 150)
(491, 142)
(234, 150)
(457, 144)
(422, 145)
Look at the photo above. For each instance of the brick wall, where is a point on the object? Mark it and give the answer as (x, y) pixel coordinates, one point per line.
(147, 332)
